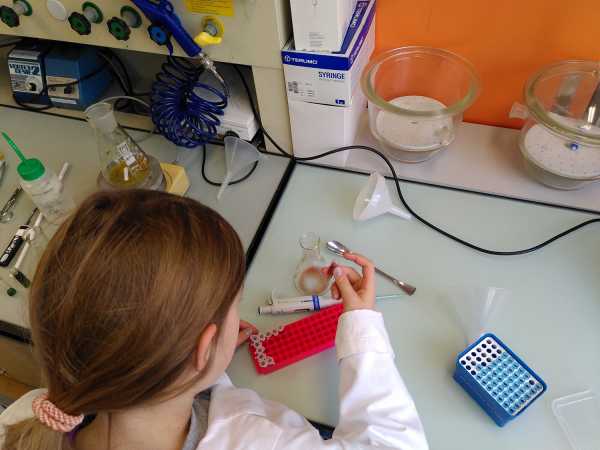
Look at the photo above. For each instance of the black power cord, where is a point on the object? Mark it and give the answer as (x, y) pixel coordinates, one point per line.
(215, 183)
(401, 195)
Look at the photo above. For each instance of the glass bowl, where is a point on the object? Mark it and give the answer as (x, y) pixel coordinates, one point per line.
(417, 96)
(560, 140)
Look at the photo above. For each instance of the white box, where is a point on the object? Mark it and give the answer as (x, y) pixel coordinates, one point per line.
(320, 25)
(332, 78)
(319, 128)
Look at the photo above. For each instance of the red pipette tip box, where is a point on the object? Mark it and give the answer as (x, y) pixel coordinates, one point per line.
(295, 341)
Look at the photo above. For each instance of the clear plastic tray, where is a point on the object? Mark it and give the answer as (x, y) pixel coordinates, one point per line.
(579, 417)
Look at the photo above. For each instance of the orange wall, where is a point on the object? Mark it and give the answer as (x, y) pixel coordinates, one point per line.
(506, 40)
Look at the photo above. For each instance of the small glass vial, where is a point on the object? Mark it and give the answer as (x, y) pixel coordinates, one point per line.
(309, 278)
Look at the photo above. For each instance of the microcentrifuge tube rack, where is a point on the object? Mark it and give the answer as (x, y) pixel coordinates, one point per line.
(295, 341)
(497, 379)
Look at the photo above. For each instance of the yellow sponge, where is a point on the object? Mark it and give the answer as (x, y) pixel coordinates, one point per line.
(176, 180)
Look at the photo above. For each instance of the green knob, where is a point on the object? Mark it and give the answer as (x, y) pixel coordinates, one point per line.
(80, 24)
(119, 29)
(9, 16)
(11, 292)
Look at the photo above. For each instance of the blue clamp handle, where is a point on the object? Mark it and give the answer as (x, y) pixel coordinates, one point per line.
(162, 13)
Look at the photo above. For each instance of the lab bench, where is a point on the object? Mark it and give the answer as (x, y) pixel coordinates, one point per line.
(550, 317)
(56, 140)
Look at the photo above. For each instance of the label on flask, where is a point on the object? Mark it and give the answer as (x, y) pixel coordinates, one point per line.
(216, 7)
(126, 153)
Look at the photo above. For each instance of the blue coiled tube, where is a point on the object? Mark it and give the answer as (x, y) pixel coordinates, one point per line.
(184, 110)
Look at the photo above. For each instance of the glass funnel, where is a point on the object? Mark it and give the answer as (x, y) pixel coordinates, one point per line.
(124, 164)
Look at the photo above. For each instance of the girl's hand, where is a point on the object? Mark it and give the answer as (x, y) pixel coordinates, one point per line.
(246, 329)
(356, 291)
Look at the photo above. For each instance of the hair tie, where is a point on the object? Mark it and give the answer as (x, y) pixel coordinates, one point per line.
(51, 416)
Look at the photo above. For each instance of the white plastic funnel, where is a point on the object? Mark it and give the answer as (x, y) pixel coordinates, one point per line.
(239, 155)
(374, 200)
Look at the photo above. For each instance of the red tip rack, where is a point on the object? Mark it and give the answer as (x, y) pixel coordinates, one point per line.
(295, 341)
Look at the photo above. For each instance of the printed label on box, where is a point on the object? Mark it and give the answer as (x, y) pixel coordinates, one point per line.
(26, 76)
(216, 7)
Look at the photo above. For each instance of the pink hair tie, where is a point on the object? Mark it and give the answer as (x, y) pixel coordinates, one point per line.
(51, 416)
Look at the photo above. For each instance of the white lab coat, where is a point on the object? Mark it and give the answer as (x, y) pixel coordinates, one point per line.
(376, 410)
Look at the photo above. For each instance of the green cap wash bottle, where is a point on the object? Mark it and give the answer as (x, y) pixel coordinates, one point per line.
(43, 187)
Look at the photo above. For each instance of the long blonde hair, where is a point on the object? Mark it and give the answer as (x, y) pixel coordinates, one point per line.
(119, 300)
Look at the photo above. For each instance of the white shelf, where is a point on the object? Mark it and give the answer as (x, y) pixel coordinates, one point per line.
(482, 159)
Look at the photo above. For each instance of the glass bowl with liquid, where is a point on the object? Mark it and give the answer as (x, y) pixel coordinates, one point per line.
(560, 141)
(417, 96)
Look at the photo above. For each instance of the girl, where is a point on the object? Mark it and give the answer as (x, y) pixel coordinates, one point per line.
(134, 317)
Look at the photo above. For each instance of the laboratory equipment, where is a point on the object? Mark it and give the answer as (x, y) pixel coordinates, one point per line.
(320, 25)
(81, 22)
(304, 304)
(416, 97)
(315, 304)
(12, 16)
(311, 278)
(262, 28)
(239, 157)
(76, 76)
(164, 24)
(13, 246)
(43, 187)
(295, 341)
(497, 379)
(27, 72)
(7, 214)
(20, 277)
(331, 78)
(275, 299)
(560, 141)
(124, 164)
(186, 110)
(374, 200)
(340, 249)
(579, 417)
(474, 307)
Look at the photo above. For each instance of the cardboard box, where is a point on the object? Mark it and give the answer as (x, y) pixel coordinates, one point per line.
(320, 25)
(319, 128)
(332, 78)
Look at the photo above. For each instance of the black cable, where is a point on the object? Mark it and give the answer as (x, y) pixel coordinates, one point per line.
(214, 183)
(401, 195)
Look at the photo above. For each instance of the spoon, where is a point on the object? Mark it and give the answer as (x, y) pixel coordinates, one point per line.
(340, 249)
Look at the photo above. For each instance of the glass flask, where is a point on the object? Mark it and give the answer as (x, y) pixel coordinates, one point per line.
(124, 164)
(309, 278)
(416, 97)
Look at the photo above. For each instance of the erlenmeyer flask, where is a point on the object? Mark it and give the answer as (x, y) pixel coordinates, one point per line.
(124, 164)
(309, 277)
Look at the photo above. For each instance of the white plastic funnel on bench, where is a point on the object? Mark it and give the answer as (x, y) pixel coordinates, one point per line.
(374, 200)
(239, 157)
